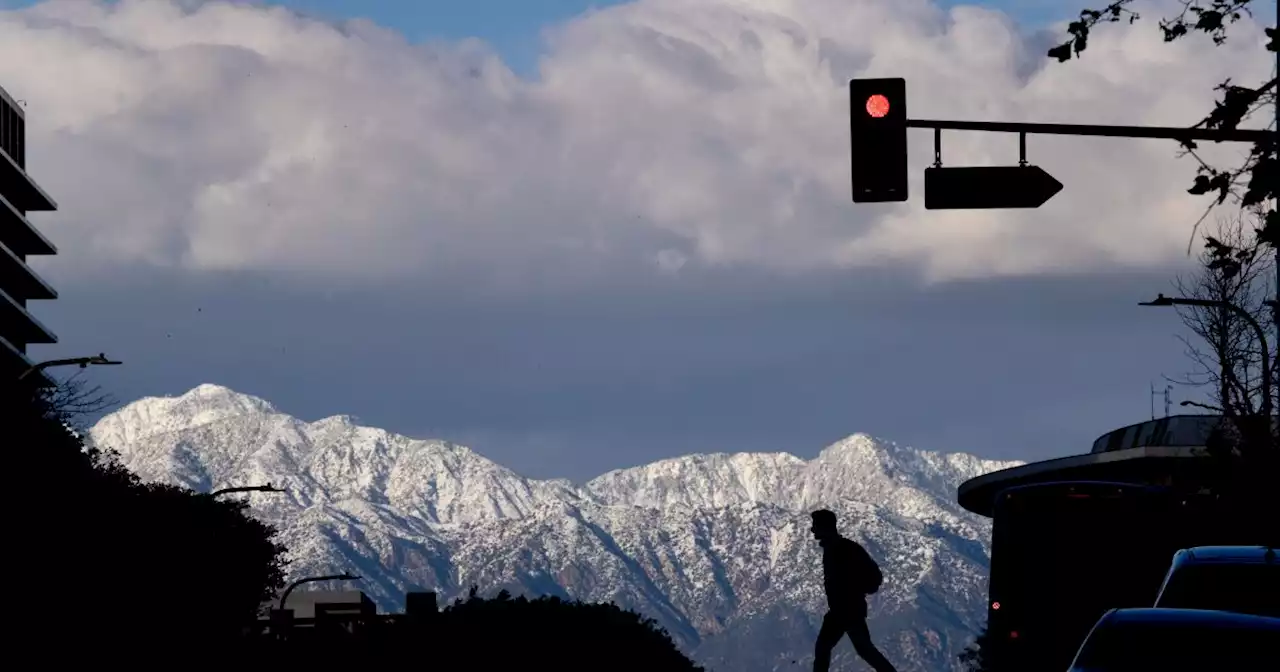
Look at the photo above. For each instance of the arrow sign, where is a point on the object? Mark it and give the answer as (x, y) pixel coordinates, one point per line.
(988, 187)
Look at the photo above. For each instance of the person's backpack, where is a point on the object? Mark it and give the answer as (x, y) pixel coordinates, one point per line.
(868, 572)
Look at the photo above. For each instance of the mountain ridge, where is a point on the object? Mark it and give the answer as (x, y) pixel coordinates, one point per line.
(713, 545)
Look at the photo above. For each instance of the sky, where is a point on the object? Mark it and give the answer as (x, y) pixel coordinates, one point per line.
(581, 239)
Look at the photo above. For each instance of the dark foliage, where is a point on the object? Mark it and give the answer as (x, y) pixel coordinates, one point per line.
(490, 634)
(117, 565)
(1257, 179)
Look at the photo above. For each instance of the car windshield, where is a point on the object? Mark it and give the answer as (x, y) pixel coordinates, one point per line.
(1243, 588)
(1173, 647)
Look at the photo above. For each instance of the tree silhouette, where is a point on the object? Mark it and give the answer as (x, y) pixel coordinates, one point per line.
(1247, 448)
(496, 634)
(119, 565)
(1226, 350)
(1244, 448)
(1257, 179)
(75, 401)
(1229, 351)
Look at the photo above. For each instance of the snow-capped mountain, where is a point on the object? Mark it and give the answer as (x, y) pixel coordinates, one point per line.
(716, 546)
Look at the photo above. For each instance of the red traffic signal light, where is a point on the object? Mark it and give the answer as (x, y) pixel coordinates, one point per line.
(877, 106)
(878, 127)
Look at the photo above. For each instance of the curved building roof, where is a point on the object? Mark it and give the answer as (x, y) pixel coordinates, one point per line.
(1145, 452)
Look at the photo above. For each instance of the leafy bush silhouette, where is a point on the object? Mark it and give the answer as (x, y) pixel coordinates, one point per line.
(588, 636)
(502, 633)
(118, 562)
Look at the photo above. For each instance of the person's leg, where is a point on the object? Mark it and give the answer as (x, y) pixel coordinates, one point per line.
(828, 636)
(861, 638)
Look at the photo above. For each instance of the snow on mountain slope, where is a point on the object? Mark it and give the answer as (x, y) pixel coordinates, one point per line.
(715, 546)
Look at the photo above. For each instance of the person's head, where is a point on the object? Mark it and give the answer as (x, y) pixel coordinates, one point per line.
(824, 524)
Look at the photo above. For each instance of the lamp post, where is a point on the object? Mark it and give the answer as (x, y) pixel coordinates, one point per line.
(1162, 300)
(246, 488)
(99, 359)
(312, 579)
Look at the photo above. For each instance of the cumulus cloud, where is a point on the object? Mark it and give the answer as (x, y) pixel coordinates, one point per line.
(662, 134)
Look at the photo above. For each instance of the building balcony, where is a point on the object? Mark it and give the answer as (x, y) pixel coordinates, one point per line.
(20, 190)
(19, 281)
(19, 235)
(20, 327)
(13, 363)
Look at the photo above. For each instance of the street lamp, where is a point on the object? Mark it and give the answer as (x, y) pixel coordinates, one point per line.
(1162, 300)
(246, 488)
(312, 579)
(1200, 405)
(99, 359)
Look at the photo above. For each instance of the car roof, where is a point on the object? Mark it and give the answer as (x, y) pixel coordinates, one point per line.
(1194, 617)
(1233, 554)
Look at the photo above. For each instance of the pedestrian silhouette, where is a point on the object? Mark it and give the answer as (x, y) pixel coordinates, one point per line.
(849, 574)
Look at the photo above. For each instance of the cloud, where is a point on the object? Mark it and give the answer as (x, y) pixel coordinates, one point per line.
(660, 136)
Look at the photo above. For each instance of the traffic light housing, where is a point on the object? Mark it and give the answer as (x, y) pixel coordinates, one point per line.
(878, 126)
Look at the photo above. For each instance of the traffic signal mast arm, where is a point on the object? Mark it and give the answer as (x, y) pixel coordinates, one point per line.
(1159, 132)
(1025, 186)
(878, 126)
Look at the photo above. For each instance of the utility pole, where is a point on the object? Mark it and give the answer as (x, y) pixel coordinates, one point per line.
(1275, 204)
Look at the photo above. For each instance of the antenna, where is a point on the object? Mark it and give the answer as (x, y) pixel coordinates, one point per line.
(1168, 401)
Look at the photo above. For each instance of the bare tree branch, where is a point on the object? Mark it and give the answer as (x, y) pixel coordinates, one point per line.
(73, 400)
(1228, 357)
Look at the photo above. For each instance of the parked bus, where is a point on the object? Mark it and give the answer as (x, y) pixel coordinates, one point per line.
(1064, 553)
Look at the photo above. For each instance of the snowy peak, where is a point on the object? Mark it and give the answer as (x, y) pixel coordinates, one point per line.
(201, 405)
(701, 481)
(213, 437)
(868, 469)
(873, 457)
(859, 467)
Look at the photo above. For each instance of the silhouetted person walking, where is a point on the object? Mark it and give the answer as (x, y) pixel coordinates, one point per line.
(849, 574)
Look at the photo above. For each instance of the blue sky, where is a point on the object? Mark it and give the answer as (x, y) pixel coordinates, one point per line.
(638, 257)
(514, 27)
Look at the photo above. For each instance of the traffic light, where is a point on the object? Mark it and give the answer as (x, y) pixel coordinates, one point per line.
(878, 123)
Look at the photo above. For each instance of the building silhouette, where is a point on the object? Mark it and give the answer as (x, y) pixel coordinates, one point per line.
(1155, 452)
(307, 614)
(313, 603)
(19, 239)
